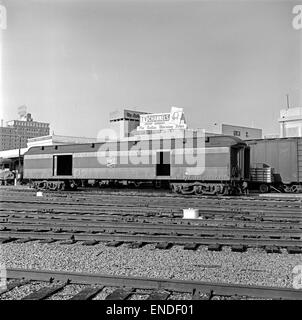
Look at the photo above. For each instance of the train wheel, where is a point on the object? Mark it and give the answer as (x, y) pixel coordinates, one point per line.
(226, 190)
(42, 185)
(62, 186)
(264, 188)
(287, 188)
(175, 188)
(198, 190)
(294, 188)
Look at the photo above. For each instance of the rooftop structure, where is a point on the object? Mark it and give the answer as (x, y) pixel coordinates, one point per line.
(124, 121)
(241, 132)
(50, 140)
(290, 122)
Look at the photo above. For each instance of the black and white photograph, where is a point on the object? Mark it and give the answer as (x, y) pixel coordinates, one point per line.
(151, 153)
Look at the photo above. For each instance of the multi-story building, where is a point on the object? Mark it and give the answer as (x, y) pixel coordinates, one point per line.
(124, 121)
(17, 132)
(290, 122)
(6, 138)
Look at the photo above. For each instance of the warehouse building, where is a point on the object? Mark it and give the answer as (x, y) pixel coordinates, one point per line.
(241, 132)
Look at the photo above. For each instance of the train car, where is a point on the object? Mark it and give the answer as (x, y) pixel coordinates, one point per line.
(221, 163)
(279, 161)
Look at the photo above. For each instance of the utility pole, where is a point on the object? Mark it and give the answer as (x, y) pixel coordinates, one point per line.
(19, 167)
(287, 100)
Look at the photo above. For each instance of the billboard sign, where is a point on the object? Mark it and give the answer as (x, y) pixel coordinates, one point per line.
(161, 121)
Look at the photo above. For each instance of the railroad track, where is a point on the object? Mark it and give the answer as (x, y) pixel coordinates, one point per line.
(149, 193)
(138, 208)
(160, 289)
(138, 213)
(17, 221)
(146, 228)
(152, 201)
(144, 197)
(196, 232)
(207, 221)
(214, 243)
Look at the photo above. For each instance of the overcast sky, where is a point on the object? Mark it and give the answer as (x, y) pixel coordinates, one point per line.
(72, 62)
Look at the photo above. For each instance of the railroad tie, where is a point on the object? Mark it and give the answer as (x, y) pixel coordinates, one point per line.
(136, 245)
(68, 242)
(114, 243)
(15, 284)
(199, 295)
(6, 240)
(294, 250)
(163, 245)
(119, 294)
(157, 295)
(43, 293)
(24, 240)
(214, 247)
(90, 243)
(191, 246)
(47, 241)
(87, 293)
(238, 248)
(272, 249)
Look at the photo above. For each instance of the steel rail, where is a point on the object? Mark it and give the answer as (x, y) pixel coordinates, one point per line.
(97, 220)
(176, 222)
(140, 210)
(151, 193)
(155, 204)
(231, 218)
(154, 229)
(149, 238)
(223, 289)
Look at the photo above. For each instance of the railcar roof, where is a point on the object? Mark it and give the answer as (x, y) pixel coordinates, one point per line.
(274, 139)
(211, 141)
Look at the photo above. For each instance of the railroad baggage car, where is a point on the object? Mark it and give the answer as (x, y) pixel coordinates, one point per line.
(223, 160)
(284, 156)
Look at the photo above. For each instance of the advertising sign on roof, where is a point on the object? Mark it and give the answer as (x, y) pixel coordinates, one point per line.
(161, 121)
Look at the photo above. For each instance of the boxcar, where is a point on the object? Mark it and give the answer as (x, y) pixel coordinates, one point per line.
(284, 156)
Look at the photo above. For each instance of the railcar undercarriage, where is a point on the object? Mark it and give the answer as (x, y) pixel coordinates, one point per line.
(206, 188)
(185, 188)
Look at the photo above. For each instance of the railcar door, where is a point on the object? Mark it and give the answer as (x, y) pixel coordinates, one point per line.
(247, 163)
(237, 158)
(62, 165)
(163, 166)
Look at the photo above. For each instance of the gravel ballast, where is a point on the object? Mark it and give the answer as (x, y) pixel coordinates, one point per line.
(254, 267)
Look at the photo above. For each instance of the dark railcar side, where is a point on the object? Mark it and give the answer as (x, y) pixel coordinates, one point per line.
(282, 154)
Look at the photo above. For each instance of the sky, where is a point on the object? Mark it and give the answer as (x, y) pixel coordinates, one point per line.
(73, 62)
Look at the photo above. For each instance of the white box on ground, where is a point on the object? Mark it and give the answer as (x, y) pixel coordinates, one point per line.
(190, 213)
(39, 194)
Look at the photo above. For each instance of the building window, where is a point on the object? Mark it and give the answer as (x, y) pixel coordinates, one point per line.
(236, 133)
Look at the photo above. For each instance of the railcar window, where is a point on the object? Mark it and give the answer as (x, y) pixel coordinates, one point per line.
(62, 165)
